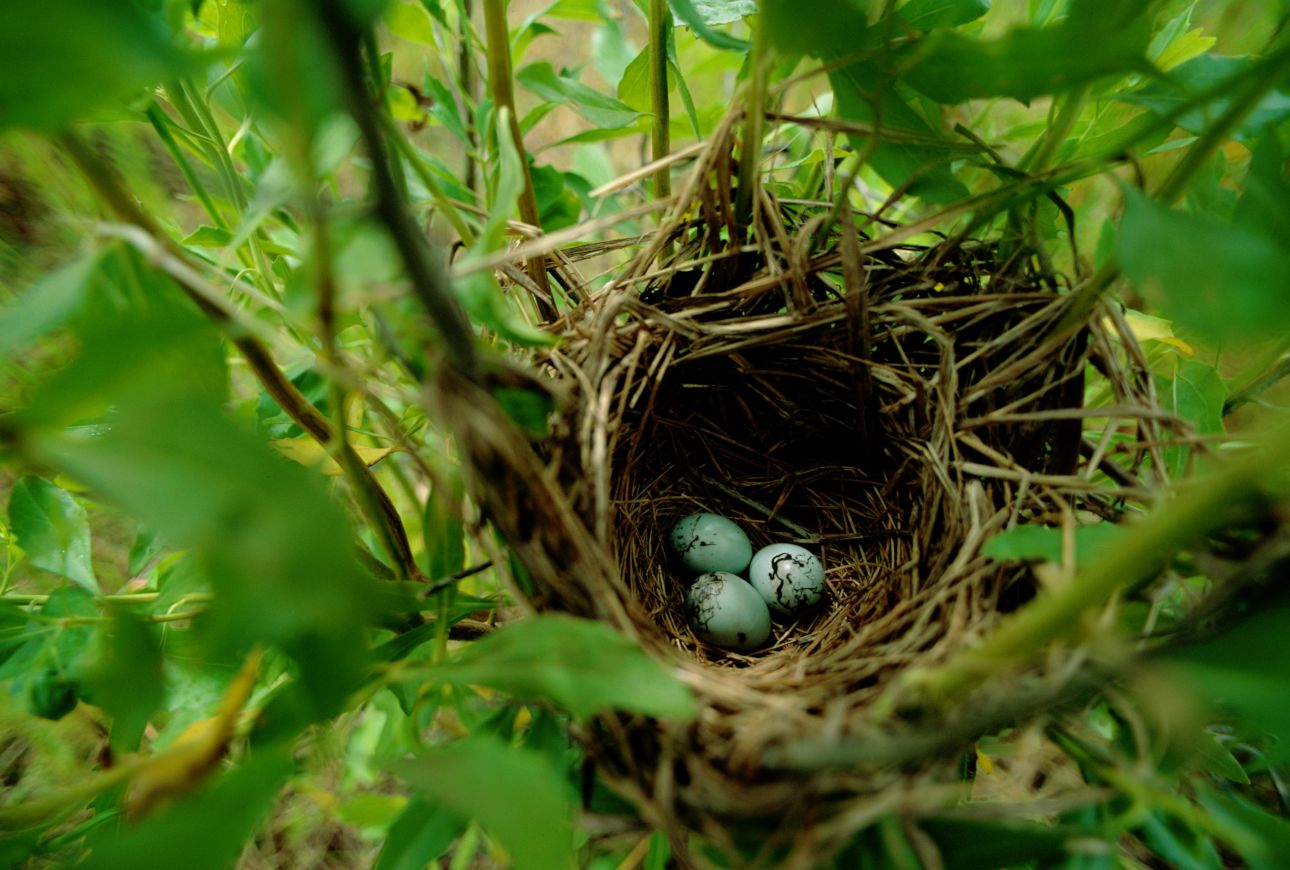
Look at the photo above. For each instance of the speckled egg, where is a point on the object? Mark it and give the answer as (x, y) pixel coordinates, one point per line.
(708, 542)
(789, 578)
(725, 611)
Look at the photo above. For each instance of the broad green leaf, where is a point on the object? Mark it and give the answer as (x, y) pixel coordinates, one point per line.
(205, 831)
(700, 15)
(1187, 81)
(279, 553)
(599, 109)
(1264, 205)
(513, 793)
(1267, 837)
(820, 28)
(1187, 46)
(1027, 62)
(1044, 543)
(53, 530)
(923, 170)
(484, 302)
(633, 87)
(1178, 843)
(528, 409)
(1219, 279)
(409, 20)
(422, 833)
(583, 666)
(63, 59)
(47, 304)
(925, 15)
(558, 206)
(445, 540)
(972, 844)
(208, 237)
(1242, 672)
(127, 682)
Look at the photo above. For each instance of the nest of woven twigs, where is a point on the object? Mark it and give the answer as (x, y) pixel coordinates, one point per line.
(889, 406)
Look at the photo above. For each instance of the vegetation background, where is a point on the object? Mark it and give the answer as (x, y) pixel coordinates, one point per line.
(248, 614)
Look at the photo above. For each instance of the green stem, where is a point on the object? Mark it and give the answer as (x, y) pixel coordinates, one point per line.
(501, 83)
(161, 124)
(754, 122)
(429, 282)
(1046, 146)
(1196, 512)
(427, 179)
(659, 27)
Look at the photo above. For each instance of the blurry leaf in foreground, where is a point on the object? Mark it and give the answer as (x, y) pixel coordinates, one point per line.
(46, 304)
(1242, 672)
(52, 529)
(128, 681)
(65, 58)
(1200, 75)
(1267, 840)
(205, 831)
(1044, 543)
(278, 551)
(582, 665)
(515, 794)
(820, 28)
(924, 15)
(422, 833)
(1222, 280)
(977, 844)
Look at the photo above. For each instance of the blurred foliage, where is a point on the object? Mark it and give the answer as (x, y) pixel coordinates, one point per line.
(205, 646)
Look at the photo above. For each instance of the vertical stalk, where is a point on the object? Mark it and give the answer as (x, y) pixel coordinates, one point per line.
(754, 123)
(500, 81)
(659, 28)
(466, 73)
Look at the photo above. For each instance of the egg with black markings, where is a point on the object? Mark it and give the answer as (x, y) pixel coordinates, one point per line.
(726, 612)
(706, 542)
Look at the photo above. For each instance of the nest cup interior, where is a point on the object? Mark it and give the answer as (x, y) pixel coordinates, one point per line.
(802, 431)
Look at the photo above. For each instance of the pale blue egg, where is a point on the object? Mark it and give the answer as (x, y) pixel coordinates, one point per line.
(726, 612)
(789, 578)
(708, 542)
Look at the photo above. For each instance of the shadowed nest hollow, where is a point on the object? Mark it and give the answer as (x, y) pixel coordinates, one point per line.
(888, 405)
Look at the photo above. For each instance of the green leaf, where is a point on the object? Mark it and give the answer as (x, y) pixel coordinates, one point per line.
(700, 15)
(53, 530)
(63, 59)
(47, 304)
(923, 169)
(409, 20)
(1178, 843)
(1027, 62)
(445, 540)
(583, 666)
(1242, 672)
(599, 109)
(279, 554)
(528, 409)
(1044, 543)
(925, 15)
(1221, 280)
(821, 28)
(422, 833)
(206, 831)
(128, 682)
(1186, 82)
(513, 793)
(1267, 837)
(208, 237)
(970, 844)
(1262, 206)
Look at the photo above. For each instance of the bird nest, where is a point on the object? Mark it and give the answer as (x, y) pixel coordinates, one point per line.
(888, 405)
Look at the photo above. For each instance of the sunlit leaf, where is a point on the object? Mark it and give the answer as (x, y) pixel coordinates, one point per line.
(1045, 543)
(309, 453)
(599, 109)
(701, 15)
(513, 793)
(1219, 279)
(53, 530)
(583, 666)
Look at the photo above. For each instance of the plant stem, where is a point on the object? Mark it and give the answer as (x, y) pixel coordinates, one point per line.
(659, 28)
(1196, 512)
(501, 82)
(754, 123)
(429, 281)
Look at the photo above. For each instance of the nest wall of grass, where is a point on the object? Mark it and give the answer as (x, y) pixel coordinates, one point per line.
(888, 406)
